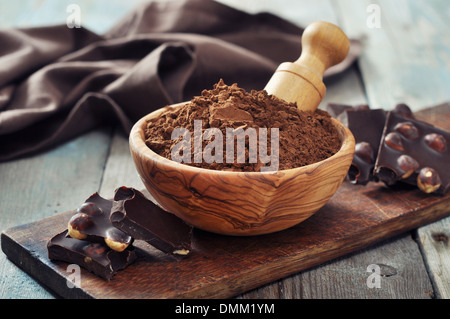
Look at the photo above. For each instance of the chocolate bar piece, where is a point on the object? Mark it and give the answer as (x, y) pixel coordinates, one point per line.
(367, 128)
(97, 258)
(336, 109)
(136, 215)
(414, 152)
(91, 222)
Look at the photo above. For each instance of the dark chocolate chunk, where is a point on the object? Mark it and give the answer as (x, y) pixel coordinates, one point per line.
(95, 257)
(367, 128)
(408, 147)
(336, 110)
(139, 217)
(91, 222)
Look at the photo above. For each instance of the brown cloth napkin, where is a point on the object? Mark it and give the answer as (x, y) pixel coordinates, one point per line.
(57, 83)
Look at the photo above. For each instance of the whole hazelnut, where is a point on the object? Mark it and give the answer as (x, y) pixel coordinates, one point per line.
(428, 180)
(393, 140)
(408, 130)
(403, 110)
(115, 245)
(407, 164)
(117, 240)
(90, 209)
(75, 233)
(94, 249)
(436, 142)
(365, 151)
(77, 224)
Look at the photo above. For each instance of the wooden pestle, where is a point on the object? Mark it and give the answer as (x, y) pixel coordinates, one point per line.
(323, 45)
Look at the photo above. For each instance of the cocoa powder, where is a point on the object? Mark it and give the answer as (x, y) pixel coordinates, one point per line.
(304, 137)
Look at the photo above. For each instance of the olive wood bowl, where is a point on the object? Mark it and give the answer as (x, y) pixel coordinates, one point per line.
(254, 203)
(240, 203)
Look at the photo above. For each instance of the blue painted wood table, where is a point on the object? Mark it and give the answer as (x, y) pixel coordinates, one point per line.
(405, 58)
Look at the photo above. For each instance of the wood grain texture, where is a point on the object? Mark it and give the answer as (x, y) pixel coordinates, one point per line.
(402, 277)
(323, 46)
(119, 169)
(240, 203)
(344, 88)
(41, 186)
(434, 238)
(420, 34)
(344, 277)
(235, 203)
(434, 241)
(407, 60)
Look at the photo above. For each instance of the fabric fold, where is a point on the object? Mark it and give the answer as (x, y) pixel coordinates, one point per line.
(57, 83)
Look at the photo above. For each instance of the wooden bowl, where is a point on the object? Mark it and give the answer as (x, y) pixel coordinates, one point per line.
(253, 203)
(240, 203)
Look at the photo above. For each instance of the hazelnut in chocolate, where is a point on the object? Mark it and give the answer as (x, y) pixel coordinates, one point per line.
(395, 147)
(95, 257)
(139, 217)
(91, 222)
(366, 126)
(414, 152)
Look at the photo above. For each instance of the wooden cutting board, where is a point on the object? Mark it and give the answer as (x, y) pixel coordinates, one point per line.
(223, 266)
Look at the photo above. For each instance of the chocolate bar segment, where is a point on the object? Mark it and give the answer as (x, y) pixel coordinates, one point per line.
(414, 152)
(91, 222)
(367, 128)
(139, 217)
(97, 258)
(336, 109)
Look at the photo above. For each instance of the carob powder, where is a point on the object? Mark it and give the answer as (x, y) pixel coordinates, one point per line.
(304, 137)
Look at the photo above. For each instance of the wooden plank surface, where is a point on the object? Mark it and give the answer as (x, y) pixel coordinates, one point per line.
(349, 281)
(342, 89)
(41, 186)
(347, 90)
(425, 58)
(407, 60)
(224, 266)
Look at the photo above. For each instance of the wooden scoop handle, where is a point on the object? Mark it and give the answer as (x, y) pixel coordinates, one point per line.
(323, 45)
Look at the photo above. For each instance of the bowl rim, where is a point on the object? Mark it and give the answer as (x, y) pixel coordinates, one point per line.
(137, 144)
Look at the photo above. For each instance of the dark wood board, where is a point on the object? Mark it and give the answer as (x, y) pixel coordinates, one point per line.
(224, 266)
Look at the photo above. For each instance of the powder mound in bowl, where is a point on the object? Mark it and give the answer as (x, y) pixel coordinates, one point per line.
(303, 137)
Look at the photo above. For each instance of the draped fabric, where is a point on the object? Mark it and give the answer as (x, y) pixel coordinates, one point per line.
(58, 82)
